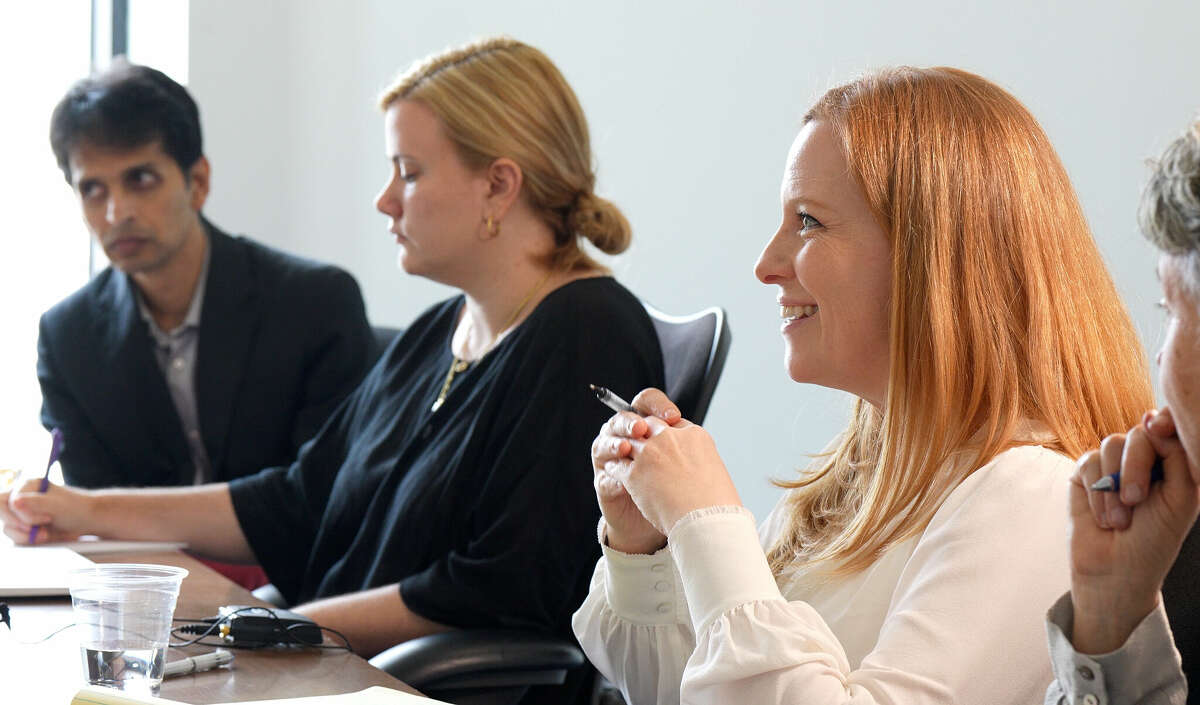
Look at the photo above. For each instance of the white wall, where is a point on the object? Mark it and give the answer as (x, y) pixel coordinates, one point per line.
(692, 108)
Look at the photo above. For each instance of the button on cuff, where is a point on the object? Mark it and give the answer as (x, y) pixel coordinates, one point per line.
(644, 589)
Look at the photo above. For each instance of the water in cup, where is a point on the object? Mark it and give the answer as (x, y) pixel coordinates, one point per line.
(123, 615)
(141, 669)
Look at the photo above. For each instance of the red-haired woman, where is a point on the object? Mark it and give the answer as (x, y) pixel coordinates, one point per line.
(933, 261)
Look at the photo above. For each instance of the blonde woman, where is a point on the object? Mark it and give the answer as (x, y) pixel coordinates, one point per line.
(452, 489)
(934, 262)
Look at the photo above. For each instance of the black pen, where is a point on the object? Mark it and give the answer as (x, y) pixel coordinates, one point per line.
(1112, 483)
(611, 400)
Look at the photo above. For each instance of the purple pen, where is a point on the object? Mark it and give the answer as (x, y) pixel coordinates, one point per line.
(56, 446)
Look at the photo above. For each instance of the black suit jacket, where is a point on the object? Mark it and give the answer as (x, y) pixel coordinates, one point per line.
(1181, 597)
(282, 341)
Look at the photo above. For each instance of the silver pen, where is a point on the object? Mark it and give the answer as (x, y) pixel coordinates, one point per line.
(196, 664)
(611, 400)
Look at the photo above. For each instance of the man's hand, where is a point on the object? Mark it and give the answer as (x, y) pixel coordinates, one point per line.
(61, 513)
(1122, 546)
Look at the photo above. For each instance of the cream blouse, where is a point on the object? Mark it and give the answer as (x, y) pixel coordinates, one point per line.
(954, 615)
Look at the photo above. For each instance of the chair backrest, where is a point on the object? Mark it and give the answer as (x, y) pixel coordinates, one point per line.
(489, 667)
(694, 349)
(383, 337)
(1183, 608)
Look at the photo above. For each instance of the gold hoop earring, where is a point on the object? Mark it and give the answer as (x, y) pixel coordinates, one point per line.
(492, 225)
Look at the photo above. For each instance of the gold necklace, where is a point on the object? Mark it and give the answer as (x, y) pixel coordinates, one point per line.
(458, 364)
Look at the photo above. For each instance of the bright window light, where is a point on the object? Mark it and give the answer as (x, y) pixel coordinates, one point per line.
(158, 36)
(46, 243)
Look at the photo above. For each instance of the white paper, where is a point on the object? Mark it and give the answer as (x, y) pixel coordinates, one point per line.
(376, 695)
(90, 546)
(38, 572)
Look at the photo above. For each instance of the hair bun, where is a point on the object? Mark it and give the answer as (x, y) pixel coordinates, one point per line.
(600, 222)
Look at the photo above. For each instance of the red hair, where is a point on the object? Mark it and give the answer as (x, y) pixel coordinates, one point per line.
(1002, 311)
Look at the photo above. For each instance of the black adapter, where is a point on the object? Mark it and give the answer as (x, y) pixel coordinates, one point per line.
(265, 626)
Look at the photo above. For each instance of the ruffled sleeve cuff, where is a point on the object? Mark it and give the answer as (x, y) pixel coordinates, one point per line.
(721, 562)
(644, 589)
(1146, 664)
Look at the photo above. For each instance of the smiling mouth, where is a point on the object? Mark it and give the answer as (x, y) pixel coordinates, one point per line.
(796, 313)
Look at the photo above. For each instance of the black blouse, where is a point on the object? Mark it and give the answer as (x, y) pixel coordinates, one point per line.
(483, 511)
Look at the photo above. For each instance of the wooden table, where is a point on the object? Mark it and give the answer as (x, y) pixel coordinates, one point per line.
(50, 672)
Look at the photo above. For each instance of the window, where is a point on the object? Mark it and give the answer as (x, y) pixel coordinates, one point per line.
(158, 36)
(46, 243)
(48, 249)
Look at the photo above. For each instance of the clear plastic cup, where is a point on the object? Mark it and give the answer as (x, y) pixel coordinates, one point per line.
(123, 615)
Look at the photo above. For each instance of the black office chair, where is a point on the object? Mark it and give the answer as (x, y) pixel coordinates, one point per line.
(483, 666)
(694, 349)
(383, 337)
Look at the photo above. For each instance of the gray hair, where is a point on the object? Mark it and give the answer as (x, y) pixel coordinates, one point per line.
(1170, 209)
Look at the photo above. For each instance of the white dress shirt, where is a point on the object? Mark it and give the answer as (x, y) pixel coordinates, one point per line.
(176, 352)
(953, 615)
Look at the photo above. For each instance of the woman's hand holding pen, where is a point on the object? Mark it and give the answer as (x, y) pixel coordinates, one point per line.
(1123, 545)
(60, 513)
(652, 471)
(627, 530)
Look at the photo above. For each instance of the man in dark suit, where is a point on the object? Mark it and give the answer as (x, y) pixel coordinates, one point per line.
(195, 357)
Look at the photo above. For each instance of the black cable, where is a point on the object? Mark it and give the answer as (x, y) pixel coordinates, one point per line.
(344, 645)
(186, 629)
(208, 626)
(49, 636)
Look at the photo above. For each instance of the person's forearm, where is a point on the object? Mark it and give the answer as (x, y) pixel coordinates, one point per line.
(373, 620)
(202, 517)
(1102, 626)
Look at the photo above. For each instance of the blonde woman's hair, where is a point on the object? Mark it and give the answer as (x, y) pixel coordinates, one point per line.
(498, 97)
(1001, 311)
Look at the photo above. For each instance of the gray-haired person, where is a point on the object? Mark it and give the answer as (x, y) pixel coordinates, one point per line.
(1109, 637)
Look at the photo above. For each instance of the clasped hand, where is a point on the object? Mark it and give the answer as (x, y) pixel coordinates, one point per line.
(653, 467)
(1123, 545)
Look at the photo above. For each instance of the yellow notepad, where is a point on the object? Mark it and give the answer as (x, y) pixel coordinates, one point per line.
(377, 695)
